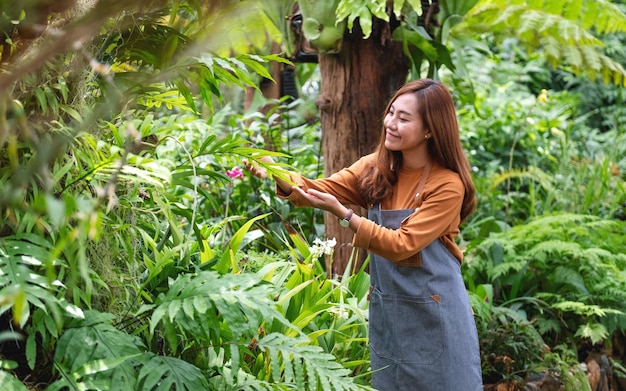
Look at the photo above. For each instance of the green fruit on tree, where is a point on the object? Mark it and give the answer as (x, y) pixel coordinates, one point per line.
(319, 25)
(324, 38)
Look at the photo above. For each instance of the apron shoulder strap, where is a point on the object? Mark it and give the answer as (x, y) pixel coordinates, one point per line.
(420, 186)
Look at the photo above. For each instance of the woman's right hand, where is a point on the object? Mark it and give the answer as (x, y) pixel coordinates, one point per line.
(256, 170)
(260, 172)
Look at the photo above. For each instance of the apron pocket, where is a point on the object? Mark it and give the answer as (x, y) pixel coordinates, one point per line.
(405, 329)
(381, 336)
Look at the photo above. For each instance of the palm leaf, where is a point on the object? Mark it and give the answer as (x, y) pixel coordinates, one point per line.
(95, 355)
(243, 300)
(162, 373)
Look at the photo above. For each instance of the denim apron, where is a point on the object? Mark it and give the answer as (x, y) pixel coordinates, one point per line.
(421, 327)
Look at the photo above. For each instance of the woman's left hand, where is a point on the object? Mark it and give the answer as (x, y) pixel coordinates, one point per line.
(321, 200)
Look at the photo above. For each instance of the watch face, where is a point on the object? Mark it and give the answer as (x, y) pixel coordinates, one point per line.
(345, 222)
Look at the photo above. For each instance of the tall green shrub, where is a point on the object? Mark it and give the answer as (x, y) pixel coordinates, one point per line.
(562, 272)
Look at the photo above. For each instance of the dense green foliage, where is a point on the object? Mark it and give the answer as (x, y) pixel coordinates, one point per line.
(131, 245)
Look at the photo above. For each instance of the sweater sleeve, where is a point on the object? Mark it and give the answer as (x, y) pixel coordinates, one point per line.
(342, 184)
(437, 217)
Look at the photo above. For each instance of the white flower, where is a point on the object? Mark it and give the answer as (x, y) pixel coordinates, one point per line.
(322, 247)
(340, 311)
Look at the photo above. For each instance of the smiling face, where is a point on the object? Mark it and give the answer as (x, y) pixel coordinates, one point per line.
(404, 130)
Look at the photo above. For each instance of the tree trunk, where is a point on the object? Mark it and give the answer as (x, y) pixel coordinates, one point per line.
(355, 87)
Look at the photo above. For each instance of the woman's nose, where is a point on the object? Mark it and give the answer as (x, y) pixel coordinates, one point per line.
(390, 122)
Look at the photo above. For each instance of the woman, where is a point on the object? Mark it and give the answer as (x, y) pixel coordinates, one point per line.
(418, 189)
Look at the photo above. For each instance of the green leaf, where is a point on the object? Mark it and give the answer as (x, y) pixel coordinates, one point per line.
(596, 332)
(209, 299)
(169, 48)
(41, 99)
(364, 11)
(101, 365)
(72, 113)
(31, 351)
(8, 382)
(92, 352)
(228, 258)
(418, 39)
(170, 373)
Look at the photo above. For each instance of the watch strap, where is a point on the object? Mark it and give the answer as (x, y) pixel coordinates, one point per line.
(345, 222)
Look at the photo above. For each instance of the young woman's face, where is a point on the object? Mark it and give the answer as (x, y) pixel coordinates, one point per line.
(404, 130)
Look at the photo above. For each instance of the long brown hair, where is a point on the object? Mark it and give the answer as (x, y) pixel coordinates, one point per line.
(436, 108)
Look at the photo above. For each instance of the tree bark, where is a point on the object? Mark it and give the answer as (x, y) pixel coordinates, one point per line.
(355, 87)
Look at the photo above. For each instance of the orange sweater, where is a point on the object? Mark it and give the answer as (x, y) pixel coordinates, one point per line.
(437, 217)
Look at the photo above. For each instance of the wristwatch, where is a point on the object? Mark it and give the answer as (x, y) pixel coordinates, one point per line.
(345, 222)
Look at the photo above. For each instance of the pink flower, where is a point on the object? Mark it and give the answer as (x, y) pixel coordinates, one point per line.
(236, 172)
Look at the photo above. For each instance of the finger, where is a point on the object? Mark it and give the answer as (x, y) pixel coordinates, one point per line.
(311, 198)
(316, 193)
(301, 192)
(247, 165)
(312, 194)
(254, 169)
(320, 195)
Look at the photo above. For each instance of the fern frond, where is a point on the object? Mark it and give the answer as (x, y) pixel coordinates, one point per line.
(562, 30)
(596, 332)
(532, 23)
(571, 263)
(480, 18)
(591, 59)
(555, 247)
(605, 16)
(307, 367)
(570, 33)
(586, 310)
(509, 15)
(556, 7)
(23, 282)
(571, 9)
(547, 325)
(506, 268)
(532, 173)
(596, 256)
(548, 228)
(213, 310)
(551, 49)
(602, 15)
(243, 381)
(612, 71)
